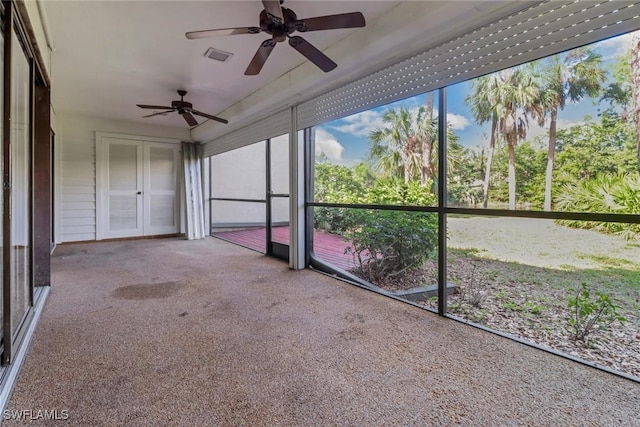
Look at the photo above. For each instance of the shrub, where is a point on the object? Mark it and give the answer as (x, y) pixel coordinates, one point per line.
(337, 184)
(589, 313)
(603, 194)
(333, 220)
(389, 243)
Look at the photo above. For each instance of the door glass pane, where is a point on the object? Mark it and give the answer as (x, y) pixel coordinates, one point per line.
(20, 179)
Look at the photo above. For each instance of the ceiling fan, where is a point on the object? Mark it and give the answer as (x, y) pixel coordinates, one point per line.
(280, 22)
(184, 108)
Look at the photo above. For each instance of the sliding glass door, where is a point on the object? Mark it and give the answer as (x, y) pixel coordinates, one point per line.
(20, 184)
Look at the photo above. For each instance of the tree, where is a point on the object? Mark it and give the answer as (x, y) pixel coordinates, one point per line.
(594, 148)
(408, 142)
(516, 98)
(568, 76)
(619, 93)
(635, 79)
(427, 134)
(506, 98)
(483, 105)
(395, 147)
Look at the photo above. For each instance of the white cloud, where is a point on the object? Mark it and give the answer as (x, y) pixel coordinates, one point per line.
(543, 132)
(360, 124)
(457, 121)
(620, 44)
(328, 145)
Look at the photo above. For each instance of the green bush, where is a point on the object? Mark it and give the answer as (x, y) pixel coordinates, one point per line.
(384, 243)
(589, 313)
(603, 194)
(338, 184)
(333, 220)
(389, 243)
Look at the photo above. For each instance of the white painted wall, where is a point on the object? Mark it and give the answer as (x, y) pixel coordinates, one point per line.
(75, 186)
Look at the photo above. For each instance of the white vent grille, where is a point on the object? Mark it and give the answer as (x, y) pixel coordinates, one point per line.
(218, 55)
(270, 127)
(541, 30)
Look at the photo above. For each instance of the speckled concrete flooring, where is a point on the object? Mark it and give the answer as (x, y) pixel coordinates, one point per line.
(195, 333)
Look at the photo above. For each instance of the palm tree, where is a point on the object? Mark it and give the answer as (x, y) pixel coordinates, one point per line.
(635, 82)
(482, 103)
(506, 98)
(396, 147)
(427, 134)
(568, 76)
(407, 144)
(517, 98)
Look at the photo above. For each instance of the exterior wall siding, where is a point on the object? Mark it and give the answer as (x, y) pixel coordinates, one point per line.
(76, 186)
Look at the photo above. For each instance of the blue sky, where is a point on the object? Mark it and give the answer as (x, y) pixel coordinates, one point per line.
(344, 141)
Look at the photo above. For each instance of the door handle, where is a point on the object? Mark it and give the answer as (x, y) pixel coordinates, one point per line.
(139, 192)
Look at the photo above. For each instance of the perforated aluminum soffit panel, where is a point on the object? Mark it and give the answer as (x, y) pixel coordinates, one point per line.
(541, 30)
(269, 127)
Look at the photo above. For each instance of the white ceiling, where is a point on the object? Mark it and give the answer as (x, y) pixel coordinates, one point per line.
(111, 55)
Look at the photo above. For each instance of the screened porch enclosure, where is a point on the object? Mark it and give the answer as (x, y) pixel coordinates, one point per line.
(414, 187)
(249, 195)
(456, 206)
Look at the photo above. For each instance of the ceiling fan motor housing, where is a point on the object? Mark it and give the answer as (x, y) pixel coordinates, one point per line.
(279, 30)
(181, 105)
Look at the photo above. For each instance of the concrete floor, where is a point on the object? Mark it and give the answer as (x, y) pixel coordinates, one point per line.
(195, 333)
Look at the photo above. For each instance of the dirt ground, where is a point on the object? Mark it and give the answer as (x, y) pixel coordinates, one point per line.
(516, 275)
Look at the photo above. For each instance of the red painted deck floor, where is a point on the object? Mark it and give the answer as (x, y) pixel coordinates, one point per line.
(326, 246)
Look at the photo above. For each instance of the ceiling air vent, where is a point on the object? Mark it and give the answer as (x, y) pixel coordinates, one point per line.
(218, 55)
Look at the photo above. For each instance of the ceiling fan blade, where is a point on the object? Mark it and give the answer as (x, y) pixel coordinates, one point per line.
(221, 32)
(260, 57)
(312, 53)
(332, 22)
(157, 114)
(189, 119)
(208, 116)
(273, 8)
(154, 107)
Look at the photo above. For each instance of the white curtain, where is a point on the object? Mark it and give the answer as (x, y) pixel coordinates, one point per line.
(192, 159)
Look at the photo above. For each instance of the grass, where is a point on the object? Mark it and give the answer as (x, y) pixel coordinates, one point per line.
(622, 281)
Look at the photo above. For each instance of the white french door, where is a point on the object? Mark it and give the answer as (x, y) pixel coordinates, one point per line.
(139, 188)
